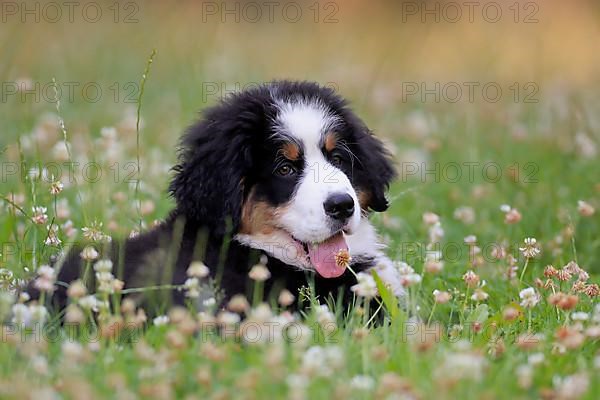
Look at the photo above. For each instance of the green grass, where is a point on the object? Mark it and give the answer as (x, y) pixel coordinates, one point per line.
(468, 350)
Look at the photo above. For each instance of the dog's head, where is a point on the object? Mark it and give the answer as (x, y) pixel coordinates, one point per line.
(290, 165)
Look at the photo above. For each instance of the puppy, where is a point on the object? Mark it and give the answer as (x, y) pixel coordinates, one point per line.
(284, 174)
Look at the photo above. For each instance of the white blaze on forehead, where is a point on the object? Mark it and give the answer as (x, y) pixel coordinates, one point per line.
(305, 122)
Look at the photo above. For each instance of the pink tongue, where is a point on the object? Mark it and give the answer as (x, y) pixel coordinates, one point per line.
(322, 256)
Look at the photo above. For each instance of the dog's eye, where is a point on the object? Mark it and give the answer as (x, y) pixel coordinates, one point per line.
(285, 170)
(336, 160)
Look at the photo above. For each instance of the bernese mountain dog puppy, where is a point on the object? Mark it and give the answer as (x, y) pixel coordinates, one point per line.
(285, 173)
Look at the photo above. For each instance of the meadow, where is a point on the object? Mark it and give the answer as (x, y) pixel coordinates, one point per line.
(494, 218)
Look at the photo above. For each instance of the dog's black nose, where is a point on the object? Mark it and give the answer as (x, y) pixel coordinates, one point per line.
(339, 206)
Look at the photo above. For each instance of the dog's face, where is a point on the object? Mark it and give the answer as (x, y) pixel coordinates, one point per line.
(292, 166)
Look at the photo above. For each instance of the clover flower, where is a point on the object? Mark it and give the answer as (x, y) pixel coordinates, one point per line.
(89, 302)
(160, 320)
(259, 273)
(366, 286)
(441, 297)
(76, 290)
(39, 216)
(479, 295)
(465, 365)
(94, 233)
(531, 248)
(572, 386)
(321, 361)
(56, 187)
(408, 276)
(192, 287)
(197, 269)
(325, 318)
(286, 298)
(430, 218)
(52, 238)
(89, 253)
(585, 209)
(511, 215)
(362, 382)
(45, 280)
(436, 233)
(465, 214)
(471, 279)
(433, 261)
(529, 297)
(238, 304)
(21, 315)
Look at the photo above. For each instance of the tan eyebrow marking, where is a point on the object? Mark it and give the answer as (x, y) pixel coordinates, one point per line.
(291, 151)
(331, 139)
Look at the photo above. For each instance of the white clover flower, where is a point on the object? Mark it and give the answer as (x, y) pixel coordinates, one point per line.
(262, 312)
(536, 359)
(410, 279)
(433, 261)
(21, 315)
(479, 295)
(430, 218)
(297, 382)
(39, 216)
(529, 297)
(462, 365)
(465, 214)
(531, 248)
(89, 302)
(471, 240)
(299, 334)
(69, 229)
(580, 316)
(572, 386)
(38, 313)
(436, 233)
(106, 282)
(46, 278)
(286, 298)
(585, 209)
(524, 376)
(228, 318)
(362, 382)
(103, 266)
(325, 318)
(259, 273)
(403, 268)
(94, 233)
(322, 361)
(210, 302)
(197, 269)
(441, 297)
(89, 253)
(46, 272)
(366, 286)
(160, 320)
(192, 287)
(56, 187)
(72, 350)
(52, 238)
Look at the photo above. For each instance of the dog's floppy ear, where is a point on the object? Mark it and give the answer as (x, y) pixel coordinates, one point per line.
(374, 168)
(216, 154)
